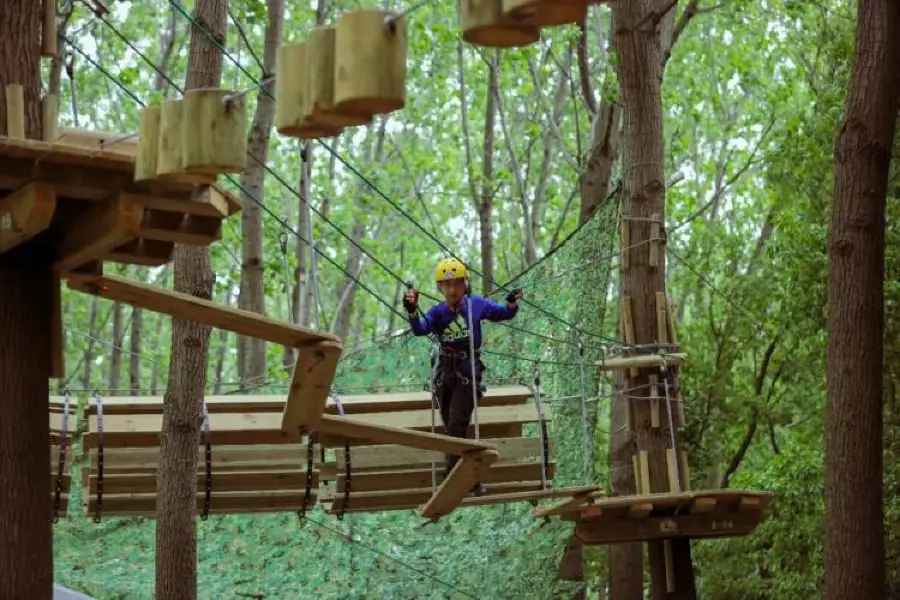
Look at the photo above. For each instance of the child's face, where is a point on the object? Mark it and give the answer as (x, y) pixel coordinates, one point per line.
(453, 289)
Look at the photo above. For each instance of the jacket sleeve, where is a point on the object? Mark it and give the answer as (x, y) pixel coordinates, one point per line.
(495, 311)
(422, 325)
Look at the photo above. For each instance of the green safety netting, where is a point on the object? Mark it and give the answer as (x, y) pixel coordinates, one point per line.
(490, 552)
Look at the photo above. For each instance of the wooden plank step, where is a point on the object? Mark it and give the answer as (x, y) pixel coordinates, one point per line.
(144, 505)
(531, 496)
(385, 480)
(145, 483)
(361, 404)
(346, 427)
(198, 310)
(573, 504)
(224, 458)
(400, 457)
(421, 400)
(470, 469)
(360, 502)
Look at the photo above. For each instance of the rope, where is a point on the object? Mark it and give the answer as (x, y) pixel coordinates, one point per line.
(472, 372)
(369, 183)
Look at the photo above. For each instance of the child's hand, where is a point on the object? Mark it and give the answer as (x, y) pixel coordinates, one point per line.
(411, 300)
(513, 297)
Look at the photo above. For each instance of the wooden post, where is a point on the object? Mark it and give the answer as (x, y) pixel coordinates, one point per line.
(15, 111)
(49, 117)
(49, 45)
(145, 162)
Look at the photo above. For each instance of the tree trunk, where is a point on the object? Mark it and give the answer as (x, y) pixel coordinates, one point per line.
(605, 133)
(485, 202)
(854, 541)
(252, 351)
(115, 361)
(640, 65)
(176, 530)
(26, 543)
(626, 561)
(134, 355)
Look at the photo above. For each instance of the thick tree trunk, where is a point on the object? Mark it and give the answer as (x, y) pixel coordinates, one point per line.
(252, 350)
(26, 543)
(118, 336)
(176, 530)
(134, 354)
(641, 62)
(854, 541)
(485, 203)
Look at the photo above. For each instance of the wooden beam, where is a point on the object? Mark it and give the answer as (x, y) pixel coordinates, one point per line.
(640, 361)
(349, 427)
(470, 468)
(144, 505)
(577, 500)
(180, 228)
(190, 308)
(98, 140)
(49, 44)
(95, 232)
(15, 111)
(25, 213)
(311, 382)
(615, 531)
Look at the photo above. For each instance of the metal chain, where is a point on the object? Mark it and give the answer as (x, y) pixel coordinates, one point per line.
(545, 446)
(435, 404)
(347, 464)
(207, 434)
(98, 509)
(63, 440)
(301, 513)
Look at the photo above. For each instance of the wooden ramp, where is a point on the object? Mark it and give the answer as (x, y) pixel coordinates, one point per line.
(62, 430)
(381, 473)
(698, 514)
(254, 466)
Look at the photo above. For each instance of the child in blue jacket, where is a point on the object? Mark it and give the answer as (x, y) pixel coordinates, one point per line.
(449, 321)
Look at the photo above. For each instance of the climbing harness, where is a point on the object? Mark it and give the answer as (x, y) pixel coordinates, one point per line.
(301, 512)
(347, 464)
(63, 441)
(207, 438)
(545, 450)
(98, 509)
(588, 447)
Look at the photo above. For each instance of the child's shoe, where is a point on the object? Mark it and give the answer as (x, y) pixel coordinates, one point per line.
(477, 490)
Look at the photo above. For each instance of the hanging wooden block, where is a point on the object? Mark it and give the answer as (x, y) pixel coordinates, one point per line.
(49, 117)
(484, 24)
(290, 88)
(370, 63)
(545, 13)
(320, 77)
(214, 132)
(145, 166)
(170, 146)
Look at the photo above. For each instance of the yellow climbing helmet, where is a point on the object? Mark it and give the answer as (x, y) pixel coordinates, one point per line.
(450, 268)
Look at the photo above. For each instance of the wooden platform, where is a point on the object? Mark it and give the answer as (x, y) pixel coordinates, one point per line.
(255, 466)
(699, 514)
(395, 474)
(84, 205)
(56, 436)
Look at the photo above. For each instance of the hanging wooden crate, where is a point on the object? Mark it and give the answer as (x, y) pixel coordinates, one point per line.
(148, 144)
(370, 63)
(484, 24)
(214, 132)
(545, 13)
(291, 117)
(320, 83)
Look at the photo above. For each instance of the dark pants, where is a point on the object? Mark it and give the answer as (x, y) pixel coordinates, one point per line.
(454, 396)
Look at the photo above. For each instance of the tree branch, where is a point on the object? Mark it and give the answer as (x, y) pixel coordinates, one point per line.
(583, 70)
(738, 457)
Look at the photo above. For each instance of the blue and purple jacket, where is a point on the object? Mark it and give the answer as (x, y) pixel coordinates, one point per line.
(452, 328)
